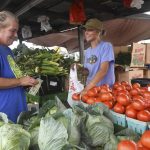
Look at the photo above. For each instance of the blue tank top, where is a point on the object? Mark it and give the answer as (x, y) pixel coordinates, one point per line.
(12, 100)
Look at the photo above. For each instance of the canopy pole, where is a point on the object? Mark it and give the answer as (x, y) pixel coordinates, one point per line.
(81, 43)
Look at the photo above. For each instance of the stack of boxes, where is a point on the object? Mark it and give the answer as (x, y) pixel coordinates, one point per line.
(136, 68)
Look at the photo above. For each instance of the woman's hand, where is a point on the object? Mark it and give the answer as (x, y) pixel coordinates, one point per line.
(28, 81)
(83, 92)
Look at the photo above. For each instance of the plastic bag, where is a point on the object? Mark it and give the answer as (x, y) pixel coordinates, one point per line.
(26, 32)
(77, 12)
(74, 86)
(137, 4)
(45, 25)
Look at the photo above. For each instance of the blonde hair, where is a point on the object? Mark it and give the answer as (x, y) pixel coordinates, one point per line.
(4, 18)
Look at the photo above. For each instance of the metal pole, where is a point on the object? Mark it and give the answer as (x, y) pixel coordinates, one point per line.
(20, 41)
(81, 44)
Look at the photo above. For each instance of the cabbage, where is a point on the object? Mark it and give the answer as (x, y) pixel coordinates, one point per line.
(112, 144)
(96, 130)
(107, 123)
(28, 119)
(51, 107)
(52, 134)
(73, 127)
(13, 137)
(34, 138)
(3, 117)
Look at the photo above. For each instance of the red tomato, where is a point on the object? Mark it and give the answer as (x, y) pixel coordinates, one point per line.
(128, 87)
(121, 87)
(90, 100)
(123, 92)
(137, 97)
(76, 96)
(123, 99)
(145, 139)
(109, 104)
(116, 84)
(143, 115)
(105, 86)
(132, 113)
(147, 103)
(84, 97)
(146, 94)
(129, 106)
(143, 148)
(92, 93)
(136, 85)
(143, 89)
(134, 92)
(107, 96)
(103, 90)
(124, 83)
(138, 105)
(127, 145)
(98, 99)
(114, 92)
(119, 108)
(97, 88)
(139, 144)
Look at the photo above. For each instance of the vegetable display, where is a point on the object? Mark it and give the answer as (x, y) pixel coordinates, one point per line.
(86, 126)
(55, 127)
(131, 100)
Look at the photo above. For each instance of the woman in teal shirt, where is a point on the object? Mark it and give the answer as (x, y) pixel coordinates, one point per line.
(99, 57)
(12, 93)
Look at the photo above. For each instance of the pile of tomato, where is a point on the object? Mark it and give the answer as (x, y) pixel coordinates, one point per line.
(142, 144)
(124, 98)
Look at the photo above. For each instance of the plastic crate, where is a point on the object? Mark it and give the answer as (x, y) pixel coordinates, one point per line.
(136, 125)
(119, 119)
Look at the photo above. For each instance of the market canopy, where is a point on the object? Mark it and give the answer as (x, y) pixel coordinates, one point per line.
(58, 12)
(119, 31)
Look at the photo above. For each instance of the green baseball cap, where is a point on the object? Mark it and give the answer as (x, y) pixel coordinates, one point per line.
(93, 24)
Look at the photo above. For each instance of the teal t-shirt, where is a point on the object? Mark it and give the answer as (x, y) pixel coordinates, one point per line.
(12, 100)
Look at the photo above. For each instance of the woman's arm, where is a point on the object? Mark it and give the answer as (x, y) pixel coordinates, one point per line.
(99, 76)
(24, 81)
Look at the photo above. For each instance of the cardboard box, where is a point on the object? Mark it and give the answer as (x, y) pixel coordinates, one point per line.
(128, 75)
(118, 49)
(146, 73)
(138, 55)
(147, 54)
